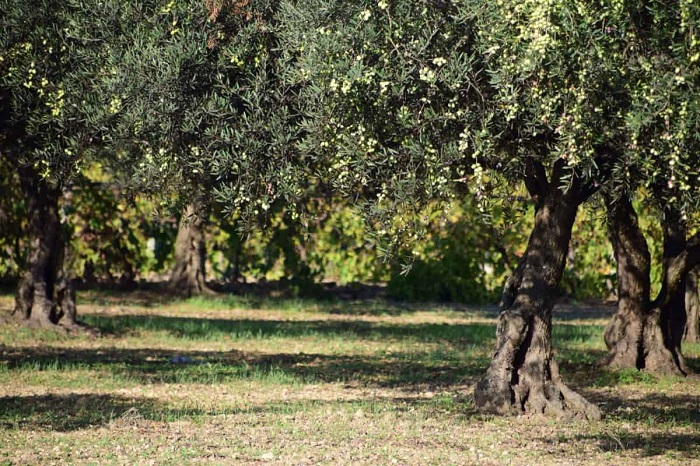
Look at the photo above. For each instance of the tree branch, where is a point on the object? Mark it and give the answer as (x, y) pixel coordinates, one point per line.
(536, 180)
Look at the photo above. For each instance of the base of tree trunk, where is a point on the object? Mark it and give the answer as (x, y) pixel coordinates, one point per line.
(645, 351)
(188, 289)
(80, 328)
(62, 327)
(636, 342)
(642, 334)
(546, 397)
(45, 296)
(641, 346)
(39, 309)
(624, 337)
(524, 377)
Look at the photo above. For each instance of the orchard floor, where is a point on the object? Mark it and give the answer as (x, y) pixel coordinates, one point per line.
(246, 381)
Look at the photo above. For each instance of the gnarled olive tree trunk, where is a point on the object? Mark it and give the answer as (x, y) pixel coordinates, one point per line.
(45, 296)
(523, 375)
(189, 272)
(692, 308)
(645, 334)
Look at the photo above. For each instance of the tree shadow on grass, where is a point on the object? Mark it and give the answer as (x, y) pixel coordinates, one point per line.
(70, 412)
(461, 355)
(207, 328)
(263, 295)
(157, 366)
(644, 425)
(652, 444)
(476, 333)
(449, 364)
(644, 445)
(693, 364)
(566, 312)
(351, 300)
(657, 408)
(76, 411)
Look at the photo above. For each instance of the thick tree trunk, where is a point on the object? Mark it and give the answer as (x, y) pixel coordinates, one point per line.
(523, 375)
(692, 307)
(644, 334)
(189, 274)
(45, 296)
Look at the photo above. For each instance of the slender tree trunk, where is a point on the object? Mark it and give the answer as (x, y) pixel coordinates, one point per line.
(523, 375)
(45, 296)
(624, 335)
(644, 334)
(692, 307)
(672, 306)
(189, 273)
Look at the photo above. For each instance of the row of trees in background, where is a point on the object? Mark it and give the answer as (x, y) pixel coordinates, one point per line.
(269, 112)
(117, 242)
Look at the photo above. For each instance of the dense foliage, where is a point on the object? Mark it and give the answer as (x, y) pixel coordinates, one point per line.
(50, 67)
(404, 102)
(664, 114)
(198, 106)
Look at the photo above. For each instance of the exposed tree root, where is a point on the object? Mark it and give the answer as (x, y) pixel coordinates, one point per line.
(62, 327)
(524, 378)
(549, 396)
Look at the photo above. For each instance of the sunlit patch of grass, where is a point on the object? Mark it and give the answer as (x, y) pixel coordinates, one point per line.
(609, 377)
(106, 376)
(64, 376)
(159, 299)
(327, 332)
(198, 303)
(580, 336)
(13, 333)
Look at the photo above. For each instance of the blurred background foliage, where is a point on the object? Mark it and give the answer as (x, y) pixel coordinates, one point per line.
(463, 257)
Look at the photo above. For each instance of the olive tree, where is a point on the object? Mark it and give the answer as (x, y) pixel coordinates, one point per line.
(416, 101)
(663, 152)
(163, 76)
(201, 115)
(50, 61)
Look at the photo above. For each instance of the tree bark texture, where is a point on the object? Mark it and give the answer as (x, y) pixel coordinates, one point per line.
(692, 307)
(645, 334)
(45, 296)
(189, 273)
(523, 376)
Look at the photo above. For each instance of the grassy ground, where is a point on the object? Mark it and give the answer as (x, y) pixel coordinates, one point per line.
(246, 381)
